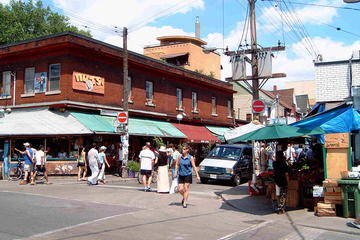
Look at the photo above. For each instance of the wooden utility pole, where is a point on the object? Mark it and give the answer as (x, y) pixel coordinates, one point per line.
(125, 136)
(254, 60)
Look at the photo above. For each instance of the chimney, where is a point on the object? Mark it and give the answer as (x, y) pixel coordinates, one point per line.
(197, 27)
(274, 88)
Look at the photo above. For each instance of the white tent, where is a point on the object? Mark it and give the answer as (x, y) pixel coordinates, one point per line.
(239, 131)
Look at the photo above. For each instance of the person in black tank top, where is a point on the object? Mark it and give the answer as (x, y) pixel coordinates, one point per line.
(184, 169)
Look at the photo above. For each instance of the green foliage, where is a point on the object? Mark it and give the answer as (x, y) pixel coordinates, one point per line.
(25, 20)
(159, 142)
(133, 166)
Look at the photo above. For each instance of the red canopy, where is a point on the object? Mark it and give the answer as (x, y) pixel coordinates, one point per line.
(196, 134)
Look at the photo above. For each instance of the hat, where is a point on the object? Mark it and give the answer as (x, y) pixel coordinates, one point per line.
(170, 150)
(162, 149)
(103, 148)
(27, 144)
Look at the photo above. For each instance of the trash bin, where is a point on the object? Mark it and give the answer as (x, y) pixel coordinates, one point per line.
(351, 197)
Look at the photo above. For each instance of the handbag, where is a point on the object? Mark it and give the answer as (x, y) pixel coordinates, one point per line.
(174, 186)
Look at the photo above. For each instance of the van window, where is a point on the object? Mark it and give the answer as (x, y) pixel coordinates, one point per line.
(225, 152)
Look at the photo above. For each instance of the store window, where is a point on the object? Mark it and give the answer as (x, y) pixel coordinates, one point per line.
(5, 84)
(194, 101)
(29, 80)
(179, 98)
(213, 106)
(149, 92)
(230, 108)
(54, 77)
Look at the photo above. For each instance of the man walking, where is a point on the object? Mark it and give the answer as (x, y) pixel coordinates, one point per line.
(147, 158)
(281, 177)
(40, 165)
(28, 157)
(264, 157)
(93, 157)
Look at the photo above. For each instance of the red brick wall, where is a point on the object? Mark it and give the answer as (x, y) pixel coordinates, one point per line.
(165, 86)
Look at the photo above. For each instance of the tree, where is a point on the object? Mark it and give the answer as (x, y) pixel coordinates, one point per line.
(25, 20)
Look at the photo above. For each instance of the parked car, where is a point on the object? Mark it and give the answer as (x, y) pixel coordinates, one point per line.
(227, 162)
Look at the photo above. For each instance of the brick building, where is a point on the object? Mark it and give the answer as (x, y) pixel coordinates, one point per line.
(81, 78)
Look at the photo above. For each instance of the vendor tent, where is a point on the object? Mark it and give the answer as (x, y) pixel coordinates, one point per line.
(239, 131)
(277, 131)
(341, 119)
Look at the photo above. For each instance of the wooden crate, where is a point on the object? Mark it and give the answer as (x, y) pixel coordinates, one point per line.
(292, 198)
(332, 189)
(293, 185)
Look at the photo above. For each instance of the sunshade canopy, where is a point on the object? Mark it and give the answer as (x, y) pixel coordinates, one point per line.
(196, 134)
(277, 131)
(242, 130)
(341, 119)
(218, 131)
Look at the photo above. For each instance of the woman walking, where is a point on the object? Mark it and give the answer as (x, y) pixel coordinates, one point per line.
(103, 161)
(163, 171)
(184, 169)
(81, 163)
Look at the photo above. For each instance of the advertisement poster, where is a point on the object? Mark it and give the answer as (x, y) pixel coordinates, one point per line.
(40, 82)
(89, 83)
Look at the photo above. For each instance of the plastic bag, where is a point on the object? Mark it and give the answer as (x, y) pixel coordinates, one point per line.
(174, 186)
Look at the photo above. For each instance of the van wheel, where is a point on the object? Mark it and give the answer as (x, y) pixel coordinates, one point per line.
(204, 180)
(237, 180)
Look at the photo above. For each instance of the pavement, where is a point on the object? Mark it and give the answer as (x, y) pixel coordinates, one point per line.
(68, 209)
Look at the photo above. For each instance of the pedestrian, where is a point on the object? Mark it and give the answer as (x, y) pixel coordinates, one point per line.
(183, 169)
(82, 165)
(175, 157)
(281, 177)
(93, 158)
(147, 158)
(163, 185)
(119, 161)
(29, 161)
(102, 161)
(290, 154)
(40, 165)
(264, 158)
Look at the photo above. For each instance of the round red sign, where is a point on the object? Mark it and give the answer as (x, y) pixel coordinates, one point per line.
(258, 106)
(122, 117)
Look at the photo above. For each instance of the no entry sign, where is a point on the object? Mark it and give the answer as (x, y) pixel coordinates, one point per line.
(122, 117)
(258, 106)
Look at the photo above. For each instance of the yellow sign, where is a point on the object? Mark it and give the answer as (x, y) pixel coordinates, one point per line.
(88, 83)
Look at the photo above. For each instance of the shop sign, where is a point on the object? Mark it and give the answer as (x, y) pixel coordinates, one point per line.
(337, 140)
(88, 83)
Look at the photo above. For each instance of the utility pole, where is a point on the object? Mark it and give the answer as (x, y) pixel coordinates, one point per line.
(125, 136)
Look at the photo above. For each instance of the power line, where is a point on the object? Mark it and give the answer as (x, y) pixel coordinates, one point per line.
(317, 5)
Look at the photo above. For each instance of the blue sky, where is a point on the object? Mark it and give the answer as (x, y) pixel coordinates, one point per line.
(148, 19)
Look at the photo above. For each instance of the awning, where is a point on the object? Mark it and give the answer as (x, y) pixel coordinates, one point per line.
(40, 122)
(139, 127)
(174, 55)
(218, 131)
(196, 134)
(242, 130)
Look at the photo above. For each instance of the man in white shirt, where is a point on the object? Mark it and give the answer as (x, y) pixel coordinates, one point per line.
(290, 154)
(147, 158)
(40, 165)
(93, 157)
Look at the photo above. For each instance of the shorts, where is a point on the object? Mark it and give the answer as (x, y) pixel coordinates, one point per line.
(28, 167)
(145, 172)
(81, 164)
(40, 168)
(185, 179)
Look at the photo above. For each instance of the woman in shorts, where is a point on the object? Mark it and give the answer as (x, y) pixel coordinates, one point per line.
(81, 163)
(183, 169)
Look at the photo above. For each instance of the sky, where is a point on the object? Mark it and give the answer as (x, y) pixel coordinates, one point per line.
(305, 30)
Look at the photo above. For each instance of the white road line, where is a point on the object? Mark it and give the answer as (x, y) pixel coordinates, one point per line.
(303, 233)
(253, 227)
(75, 226)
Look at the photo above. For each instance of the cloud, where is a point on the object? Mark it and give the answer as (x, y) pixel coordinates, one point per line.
(4, 1)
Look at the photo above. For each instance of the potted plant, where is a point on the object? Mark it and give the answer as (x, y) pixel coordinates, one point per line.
(133, 167)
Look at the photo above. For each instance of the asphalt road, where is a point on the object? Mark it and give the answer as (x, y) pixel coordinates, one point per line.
(121, 210)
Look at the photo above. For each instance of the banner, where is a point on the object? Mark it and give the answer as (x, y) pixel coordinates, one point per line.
(88, 83)
(40, 82)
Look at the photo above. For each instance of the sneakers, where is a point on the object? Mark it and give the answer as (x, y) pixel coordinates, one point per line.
(147, 189)
(355, 224)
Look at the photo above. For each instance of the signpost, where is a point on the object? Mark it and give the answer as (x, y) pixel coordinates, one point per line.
(258, 106)
(122, 117)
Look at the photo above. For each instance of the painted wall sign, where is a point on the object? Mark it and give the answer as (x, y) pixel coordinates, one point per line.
(88, 83)
(40, 82)
(337, 140)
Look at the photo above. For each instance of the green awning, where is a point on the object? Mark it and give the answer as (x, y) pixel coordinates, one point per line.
(139, 127)
(218, 131)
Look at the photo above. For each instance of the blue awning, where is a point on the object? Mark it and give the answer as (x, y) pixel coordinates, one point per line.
(342, 119)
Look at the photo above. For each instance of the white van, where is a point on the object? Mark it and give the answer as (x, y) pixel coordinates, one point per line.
(227, 162)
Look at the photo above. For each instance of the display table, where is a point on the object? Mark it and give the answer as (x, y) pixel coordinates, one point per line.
(351, 197)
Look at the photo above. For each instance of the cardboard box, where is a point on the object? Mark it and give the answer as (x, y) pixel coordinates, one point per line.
(324, 209)
(333, 201)
(330, 183)
(332, 189)
(325, 205)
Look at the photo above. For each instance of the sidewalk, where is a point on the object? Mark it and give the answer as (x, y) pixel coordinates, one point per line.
(239, 199)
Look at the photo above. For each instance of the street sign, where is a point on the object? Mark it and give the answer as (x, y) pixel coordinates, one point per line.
(258, 106)
(122, 117)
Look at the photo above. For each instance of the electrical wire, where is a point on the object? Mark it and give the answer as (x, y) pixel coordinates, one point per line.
(317, 5)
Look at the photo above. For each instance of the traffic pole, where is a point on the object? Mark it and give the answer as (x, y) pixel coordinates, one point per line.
(125, 137)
